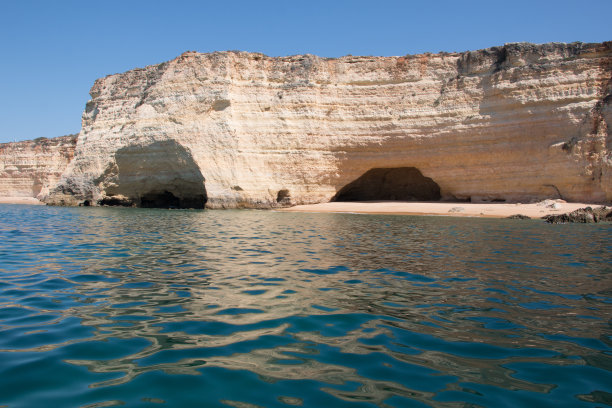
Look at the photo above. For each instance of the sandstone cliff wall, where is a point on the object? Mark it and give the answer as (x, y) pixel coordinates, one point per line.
(518, 122)
(31, 168)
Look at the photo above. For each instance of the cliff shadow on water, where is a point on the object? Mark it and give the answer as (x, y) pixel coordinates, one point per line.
(162, 174)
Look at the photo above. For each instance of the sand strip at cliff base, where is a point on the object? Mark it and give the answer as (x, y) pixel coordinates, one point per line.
(491, 210)
(20, 200)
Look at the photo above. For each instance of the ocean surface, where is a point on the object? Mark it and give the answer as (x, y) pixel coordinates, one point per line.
(142, 307)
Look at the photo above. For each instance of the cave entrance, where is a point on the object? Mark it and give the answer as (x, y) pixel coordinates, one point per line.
(398, 183)
(160, 200)
(158, 175)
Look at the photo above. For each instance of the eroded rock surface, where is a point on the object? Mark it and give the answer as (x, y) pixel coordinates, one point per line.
(585, 215)
(519, 217)
(31, 168)
(519, 122)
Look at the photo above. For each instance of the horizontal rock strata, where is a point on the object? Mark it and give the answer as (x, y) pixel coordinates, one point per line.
(517, 122)
(31, 168)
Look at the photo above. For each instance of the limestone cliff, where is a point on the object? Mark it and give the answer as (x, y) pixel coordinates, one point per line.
(234, 129)
(31, 168)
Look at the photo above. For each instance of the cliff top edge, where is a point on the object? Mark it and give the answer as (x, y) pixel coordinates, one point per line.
(577, 47)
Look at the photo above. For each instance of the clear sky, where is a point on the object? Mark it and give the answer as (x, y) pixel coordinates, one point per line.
(51, 51)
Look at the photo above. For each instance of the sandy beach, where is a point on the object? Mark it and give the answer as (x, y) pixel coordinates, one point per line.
(20, 200)
(455, 209)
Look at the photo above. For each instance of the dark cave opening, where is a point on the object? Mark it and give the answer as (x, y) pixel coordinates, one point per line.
(160, 200)
(397, 184)
(166, 199)
(282, 195)
(162, 174)
(197, 202)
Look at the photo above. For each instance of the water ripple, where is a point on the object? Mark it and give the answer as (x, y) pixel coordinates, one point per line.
(102, 307)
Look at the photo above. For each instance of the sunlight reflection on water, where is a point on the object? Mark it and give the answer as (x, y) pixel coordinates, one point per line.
(223, 308)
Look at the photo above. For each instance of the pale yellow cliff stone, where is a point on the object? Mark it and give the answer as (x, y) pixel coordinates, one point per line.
(31, 168)
(519, 122)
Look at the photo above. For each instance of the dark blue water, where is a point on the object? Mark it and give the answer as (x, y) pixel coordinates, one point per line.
(102, 307)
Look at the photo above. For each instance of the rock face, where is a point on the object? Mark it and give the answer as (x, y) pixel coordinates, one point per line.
(519, 217)
(232, 129)
(32, 168)
(585, 215)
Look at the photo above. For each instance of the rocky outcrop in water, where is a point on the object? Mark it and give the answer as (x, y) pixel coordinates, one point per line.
(519, 122)
(585, 215)
(33, 167)
(519, 217)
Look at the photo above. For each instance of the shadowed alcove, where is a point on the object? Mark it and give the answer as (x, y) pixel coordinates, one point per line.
(399, 183)
(159, 175)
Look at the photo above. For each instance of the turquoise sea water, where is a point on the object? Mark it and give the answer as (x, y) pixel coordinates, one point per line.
(111, 306)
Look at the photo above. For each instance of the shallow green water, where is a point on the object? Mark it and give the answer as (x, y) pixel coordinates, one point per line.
(103, 306)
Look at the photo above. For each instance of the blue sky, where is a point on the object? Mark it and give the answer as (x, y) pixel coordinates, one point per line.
(52, 51)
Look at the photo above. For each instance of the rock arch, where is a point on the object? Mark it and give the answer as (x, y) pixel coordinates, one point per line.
(158, 175)
(397, 183)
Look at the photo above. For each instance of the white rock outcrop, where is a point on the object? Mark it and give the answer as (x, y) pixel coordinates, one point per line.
(518, 122)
